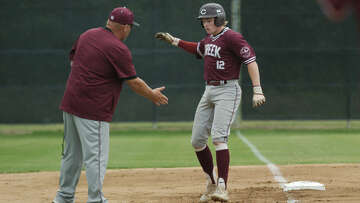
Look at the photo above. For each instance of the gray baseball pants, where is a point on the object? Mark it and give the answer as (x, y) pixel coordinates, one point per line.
(215, 113)
(86, 141)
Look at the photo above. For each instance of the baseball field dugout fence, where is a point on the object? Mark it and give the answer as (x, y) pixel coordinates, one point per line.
(309, 66)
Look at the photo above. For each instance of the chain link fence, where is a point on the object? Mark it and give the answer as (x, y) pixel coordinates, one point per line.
(309, 66)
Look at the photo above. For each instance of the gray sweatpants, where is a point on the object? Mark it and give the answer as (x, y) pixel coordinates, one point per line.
(86, 141)
(215, 113)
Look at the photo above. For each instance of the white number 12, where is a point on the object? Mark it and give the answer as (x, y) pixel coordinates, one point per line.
(220, 65)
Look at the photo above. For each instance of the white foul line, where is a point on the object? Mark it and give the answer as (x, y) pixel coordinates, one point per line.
(272, 167)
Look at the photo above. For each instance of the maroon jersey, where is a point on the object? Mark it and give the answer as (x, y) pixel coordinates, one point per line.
(223, 55)
(101, 62)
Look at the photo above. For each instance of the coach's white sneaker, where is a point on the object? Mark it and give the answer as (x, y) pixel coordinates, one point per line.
(220, 193)
(210, 189)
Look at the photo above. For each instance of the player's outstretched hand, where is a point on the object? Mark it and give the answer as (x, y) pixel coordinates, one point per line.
(258, 100)
(164, 36)
(159, 98)
(167, 37)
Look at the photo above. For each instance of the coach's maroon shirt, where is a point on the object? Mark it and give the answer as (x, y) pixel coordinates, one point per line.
(223, 55)
(101, 62)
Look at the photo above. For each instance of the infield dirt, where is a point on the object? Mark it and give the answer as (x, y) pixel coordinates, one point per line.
(177, 185)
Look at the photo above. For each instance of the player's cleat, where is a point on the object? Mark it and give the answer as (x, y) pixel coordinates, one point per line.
(220, 193)
(210, 189)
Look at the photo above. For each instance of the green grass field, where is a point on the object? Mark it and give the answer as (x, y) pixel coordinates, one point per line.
(28, 148)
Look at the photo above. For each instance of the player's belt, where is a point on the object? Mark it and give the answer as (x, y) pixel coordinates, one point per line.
(216, 82)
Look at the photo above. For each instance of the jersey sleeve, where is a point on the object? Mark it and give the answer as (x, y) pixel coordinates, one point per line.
(123, 65)
(188, 46)
(241, 48)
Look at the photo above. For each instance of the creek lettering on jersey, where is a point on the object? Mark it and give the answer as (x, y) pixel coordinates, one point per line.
(212, 50)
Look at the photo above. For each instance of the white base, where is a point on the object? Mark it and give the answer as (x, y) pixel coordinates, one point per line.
(303, 185)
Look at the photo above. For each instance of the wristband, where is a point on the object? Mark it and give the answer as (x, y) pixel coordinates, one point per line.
(175, 41)
(257, 90)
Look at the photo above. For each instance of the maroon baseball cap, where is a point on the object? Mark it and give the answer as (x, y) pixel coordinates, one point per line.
(123, 16)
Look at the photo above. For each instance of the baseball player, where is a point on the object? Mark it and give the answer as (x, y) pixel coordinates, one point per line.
(223, 51)
(100, 64)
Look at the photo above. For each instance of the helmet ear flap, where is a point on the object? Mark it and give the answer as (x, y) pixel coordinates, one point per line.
(216, 22)
(219, 21)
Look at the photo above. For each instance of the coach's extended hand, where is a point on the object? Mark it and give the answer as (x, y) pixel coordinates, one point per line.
(167, 37)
